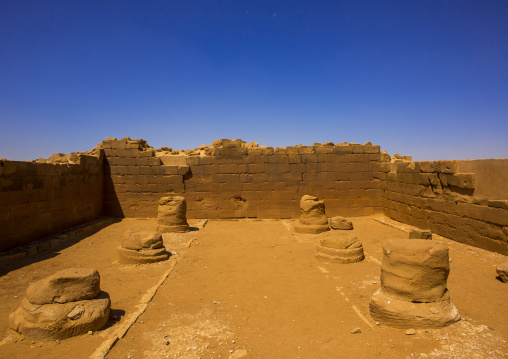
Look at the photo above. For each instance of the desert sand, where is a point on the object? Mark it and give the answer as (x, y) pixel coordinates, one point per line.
(254, 289)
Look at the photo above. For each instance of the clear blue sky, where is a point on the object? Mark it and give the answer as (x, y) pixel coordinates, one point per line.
(421, 78)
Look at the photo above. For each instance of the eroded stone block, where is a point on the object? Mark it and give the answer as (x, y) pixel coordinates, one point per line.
(420, 234)
(340, 223)
(502, 271)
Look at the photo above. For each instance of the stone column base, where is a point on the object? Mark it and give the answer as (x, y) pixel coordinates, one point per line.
(61, 321)
(404, 314)
(129, 256)
(311, 229)
(336, 255)
(180, 228)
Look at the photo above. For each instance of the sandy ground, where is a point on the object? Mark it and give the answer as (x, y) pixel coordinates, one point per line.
(255, 287)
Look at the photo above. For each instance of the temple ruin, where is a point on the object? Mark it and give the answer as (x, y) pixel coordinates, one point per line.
(462, 200)
(318, 201)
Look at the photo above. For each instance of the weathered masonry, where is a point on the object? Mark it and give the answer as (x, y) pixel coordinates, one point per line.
(463, 200)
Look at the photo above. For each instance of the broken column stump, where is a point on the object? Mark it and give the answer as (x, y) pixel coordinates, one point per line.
(312, 216)
(413, 291)
(172, 215)
(340, 248)
(140, 247)
(65, 304)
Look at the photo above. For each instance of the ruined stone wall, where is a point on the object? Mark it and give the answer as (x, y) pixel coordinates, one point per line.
(135, 179)
(491, 177)
(463, 200)
(38, 199)
(437, 196)
(231, 180)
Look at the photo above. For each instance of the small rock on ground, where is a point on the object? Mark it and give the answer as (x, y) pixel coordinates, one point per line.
(239, 354)
(502, 271)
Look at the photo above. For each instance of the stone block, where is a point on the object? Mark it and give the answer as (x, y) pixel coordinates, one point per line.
(219, 178)
(461, 180)
(497, 216)
(256, 168)
(244, 178)
(357, 148)
(292, 150)
(264, 151)
(372, 149)
(228, 168)
(154, 161)
(329, 166)
(357, 211)
(232, 178)
(293, 159)
(311, 160)
(278, 168)
(259, 178)
(340, 223)
(313, 167)
(446, 167)
(420, 234)
(207, 160)
(306, 150)
(323, 149)
(502, 271)
(243, 168)
(292, 177)
(274, 213)
(210, 169)
(340, 150)
(360, 176)
(286, 213)
(297, 168)
(425, 167)
(310, 177)
(278, 159)
(362, 158)
(69, 285)
(183, 170)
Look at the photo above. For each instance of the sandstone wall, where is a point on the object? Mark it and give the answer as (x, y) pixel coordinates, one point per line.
(234, 181)
(491, 177)
(462, 200)
(38, 199)
(439, 197)
(135, 179)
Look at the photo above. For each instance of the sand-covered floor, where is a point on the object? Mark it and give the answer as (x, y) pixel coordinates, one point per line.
(255, 287)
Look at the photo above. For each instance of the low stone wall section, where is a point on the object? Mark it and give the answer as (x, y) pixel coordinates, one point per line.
(39, 199)
(435, 196)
